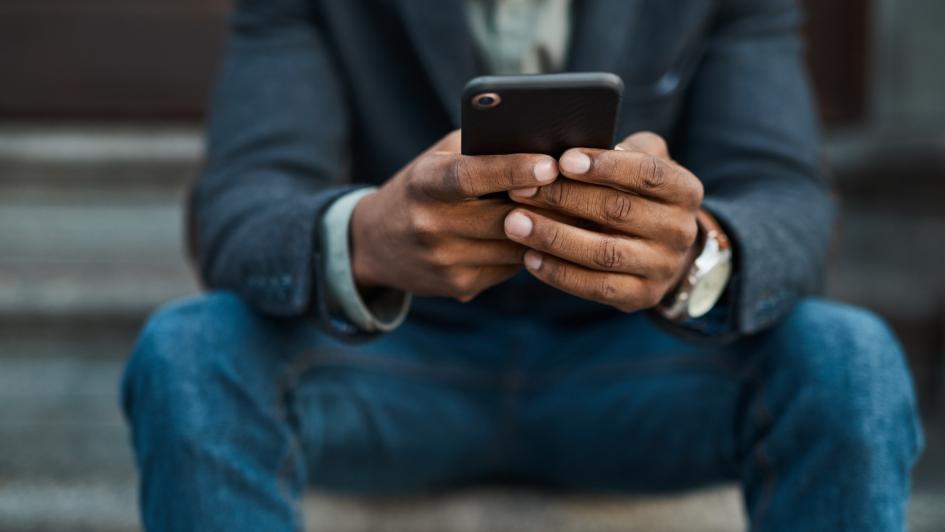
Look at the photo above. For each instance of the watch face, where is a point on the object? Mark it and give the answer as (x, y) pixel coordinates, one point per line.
(709, 289)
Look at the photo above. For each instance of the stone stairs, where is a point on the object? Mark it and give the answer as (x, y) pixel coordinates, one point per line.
(90, 233)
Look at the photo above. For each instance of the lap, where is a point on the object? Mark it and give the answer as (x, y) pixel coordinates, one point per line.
(619, 404)
(409, 410)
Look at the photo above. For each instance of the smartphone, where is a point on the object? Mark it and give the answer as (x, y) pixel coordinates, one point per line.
(543, 113)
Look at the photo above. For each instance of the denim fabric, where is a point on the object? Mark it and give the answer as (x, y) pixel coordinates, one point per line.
(233, 414)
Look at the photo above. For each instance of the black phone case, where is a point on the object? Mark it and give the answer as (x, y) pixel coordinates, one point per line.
(545, 113)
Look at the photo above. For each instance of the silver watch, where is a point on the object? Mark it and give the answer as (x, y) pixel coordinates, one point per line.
(706, 280)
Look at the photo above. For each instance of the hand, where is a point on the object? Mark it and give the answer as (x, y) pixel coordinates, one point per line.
(426, 232)
(644, 208)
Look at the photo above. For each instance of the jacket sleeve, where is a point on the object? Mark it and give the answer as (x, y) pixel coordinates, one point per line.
(751, 135)
(278, 135)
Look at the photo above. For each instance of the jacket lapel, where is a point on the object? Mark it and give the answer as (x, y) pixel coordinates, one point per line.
(437, 29)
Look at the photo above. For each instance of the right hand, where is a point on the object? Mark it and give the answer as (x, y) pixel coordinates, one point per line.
(426, 232)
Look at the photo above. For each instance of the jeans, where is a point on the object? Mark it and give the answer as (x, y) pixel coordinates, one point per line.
(233, 414)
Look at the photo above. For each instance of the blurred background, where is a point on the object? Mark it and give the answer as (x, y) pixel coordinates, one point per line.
(100, 114)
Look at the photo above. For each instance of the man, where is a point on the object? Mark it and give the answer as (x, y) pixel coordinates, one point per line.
(559, 336)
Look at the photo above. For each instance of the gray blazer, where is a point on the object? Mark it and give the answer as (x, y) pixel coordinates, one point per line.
(317, 97)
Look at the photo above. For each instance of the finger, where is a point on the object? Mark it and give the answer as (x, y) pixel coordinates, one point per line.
(616, 210)
(463, 177)
(479, 253)
(558, 216)
(626, 292)
(485, 219)
(481, 219)
(646, 142)
(635, 172)
(597, 251)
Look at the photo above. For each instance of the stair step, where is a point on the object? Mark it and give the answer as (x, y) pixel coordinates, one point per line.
(99, 155)
(77, 260)
(888, 163)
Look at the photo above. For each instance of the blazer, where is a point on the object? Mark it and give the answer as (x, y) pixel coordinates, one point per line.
(318, 97)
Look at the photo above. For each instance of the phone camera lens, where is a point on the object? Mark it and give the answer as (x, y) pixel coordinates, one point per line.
(488, 100)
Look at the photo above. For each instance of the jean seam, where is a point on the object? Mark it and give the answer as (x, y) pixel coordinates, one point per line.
(760, 453)
(310, 359)
(293, 452)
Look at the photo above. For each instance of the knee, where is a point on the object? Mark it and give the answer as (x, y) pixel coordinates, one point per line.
(848, 377)
(171, 370)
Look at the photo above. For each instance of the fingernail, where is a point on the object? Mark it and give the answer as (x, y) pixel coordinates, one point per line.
(533, 260)
(575, 162)
(545, 171)
(518, 225)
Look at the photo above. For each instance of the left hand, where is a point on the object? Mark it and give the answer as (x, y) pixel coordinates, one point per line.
(642, 207)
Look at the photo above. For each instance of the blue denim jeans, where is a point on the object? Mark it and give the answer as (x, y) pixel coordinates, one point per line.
(233, 414)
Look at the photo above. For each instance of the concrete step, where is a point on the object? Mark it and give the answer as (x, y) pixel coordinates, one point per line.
(889, 162)
(106, 155)
(110, 506)
(92, 221)
(102, 506)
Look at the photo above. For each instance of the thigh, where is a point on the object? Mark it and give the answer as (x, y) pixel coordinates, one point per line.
(408, 410)
(411, 410)
(634, 409)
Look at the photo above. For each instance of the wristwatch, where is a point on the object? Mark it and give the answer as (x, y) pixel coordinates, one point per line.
(706, 280)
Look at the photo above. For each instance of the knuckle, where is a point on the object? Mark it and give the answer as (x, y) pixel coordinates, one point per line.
(651, 173)
(553, 195)
(553, 272)
(467, 289)
(681, 236)
(698, 192)
(616, 208)
(664, 268)
(517, 173)
(606, 289)
(423, 227)
(690, 233)
(660, 142)
(551, 237)
(459, 282)
(652, 294)
(459, 177)
(608, 255)
(655, 140)
(441, 257)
